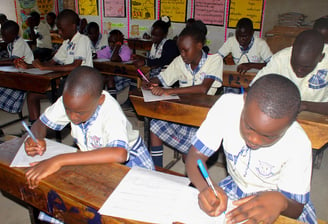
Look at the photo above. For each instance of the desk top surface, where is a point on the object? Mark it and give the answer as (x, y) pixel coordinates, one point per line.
(81, 189)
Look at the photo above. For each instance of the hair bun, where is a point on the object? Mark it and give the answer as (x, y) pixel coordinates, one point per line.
(165, 19)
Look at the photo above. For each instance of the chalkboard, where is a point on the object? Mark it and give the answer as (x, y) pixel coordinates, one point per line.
(251, 9)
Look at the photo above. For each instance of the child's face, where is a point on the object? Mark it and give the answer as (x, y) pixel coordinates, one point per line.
(244, 36)
(50, 20)
(258, 129)
(157, 35)
(93, 34)
(113, 39)
(66, 29)
(303, 63)
(80, 109)
(190, 50)
(7, 36)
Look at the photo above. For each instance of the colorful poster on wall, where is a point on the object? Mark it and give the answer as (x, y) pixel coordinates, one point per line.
(45, 6)
(211, 12)
(251, 9)
(143, 9)
(88, 7)
(175, 9)
(114, 8)
(69, 4)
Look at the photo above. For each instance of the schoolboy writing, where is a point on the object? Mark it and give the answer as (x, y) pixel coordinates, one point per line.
(306, 65)
(11, 100)
(196, 72)
(98, 126)
(247, 50)
(269, 156)
(98, 41)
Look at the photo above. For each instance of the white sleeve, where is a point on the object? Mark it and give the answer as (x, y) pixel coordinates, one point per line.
(226, 48)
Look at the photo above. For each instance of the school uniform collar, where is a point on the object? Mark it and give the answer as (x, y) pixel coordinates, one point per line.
(250, 45)
(10, 46)
(85, 126)
(98, 41)
(71, 42)
(200, 64)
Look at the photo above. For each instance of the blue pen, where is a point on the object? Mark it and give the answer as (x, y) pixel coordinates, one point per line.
(29, 132)
(242, 90)
(205, 175)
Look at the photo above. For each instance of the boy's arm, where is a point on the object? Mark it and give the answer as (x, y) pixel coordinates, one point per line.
(208, 202)
(244, 67)
(54, 67)
(39, 130)
(316, 107)
(98, 156)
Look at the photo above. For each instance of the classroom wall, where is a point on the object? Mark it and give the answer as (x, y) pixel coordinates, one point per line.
(313, 9)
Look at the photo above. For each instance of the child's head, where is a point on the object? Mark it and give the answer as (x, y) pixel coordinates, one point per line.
(9, 31)
(3, 18)
(114, 37)
(321, 25)
(191, 41)
(244, 32)
(82, 93)
(159, 31)
(93, 31)
(34, 19)
(51, 18)
(67, 22)
(271, 105)
(307, 52)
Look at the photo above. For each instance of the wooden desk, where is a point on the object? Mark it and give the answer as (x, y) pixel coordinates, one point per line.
(120, 69)
(232, 78)
(73, 194)
(192, 110)
(139, 44)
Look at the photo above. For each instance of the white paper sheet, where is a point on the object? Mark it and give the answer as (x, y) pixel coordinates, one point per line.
(32, 71)
(156, 197)
(234, 68)
(101, 59)
(149, 97)
(53, 148)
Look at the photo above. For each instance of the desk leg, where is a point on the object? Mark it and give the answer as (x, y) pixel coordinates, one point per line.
(53, 99)
(147, 132)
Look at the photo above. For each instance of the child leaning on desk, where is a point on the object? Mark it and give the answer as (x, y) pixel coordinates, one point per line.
(98, 126)
(196, 72)
(305, 64)
(18, 50)
(75, 51)
(269, 156)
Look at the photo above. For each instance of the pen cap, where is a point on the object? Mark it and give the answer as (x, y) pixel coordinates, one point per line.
(202, 168)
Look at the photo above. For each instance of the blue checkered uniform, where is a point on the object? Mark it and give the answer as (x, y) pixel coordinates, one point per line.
(11, 100)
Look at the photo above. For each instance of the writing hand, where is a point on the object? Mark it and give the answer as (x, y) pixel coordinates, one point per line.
(41, 170)
(158, 91)
(243, 68)
(37, 63)
(148, 85)
(264, 207)
(20, 63)
(210, 204)
(32, 148)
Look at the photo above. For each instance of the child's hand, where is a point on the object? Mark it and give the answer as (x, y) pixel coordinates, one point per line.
(148, 85)
(20, 63)
(158, 91)
(37, 63)
(243, 68)
(41, 170)
(211, 204)
(264, 207)
(32, 148)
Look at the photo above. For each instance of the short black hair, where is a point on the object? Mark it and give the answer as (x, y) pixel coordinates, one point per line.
(11, 27)
(321, 23)
(197, 30)
(115, 32)
(35, 15)
(52, 15)
(310, 41)
(70, 15)
(161, 25)
(245, 23)
(84, 80)
(3, 18)
(276, 96)
(92, 25)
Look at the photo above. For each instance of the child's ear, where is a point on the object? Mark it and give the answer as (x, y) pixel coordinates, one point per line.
(101, 99)
(199, 46)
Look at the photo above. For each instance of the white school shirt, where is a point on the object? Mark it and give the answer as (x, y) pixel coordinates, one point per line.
(19, 48)
(109, 125)
(285, 166)
(101, 43)
(177, 71)
(79, 48)
(258, 51)
(313, 87)
(44, 39)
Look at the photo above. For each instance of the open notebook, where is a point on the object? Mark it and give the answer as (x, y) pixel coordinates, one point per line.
(53, 148)
(156, 197)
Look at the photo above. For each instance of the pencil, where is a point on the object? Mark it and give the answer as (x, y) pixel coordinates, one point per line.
(142, 75)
